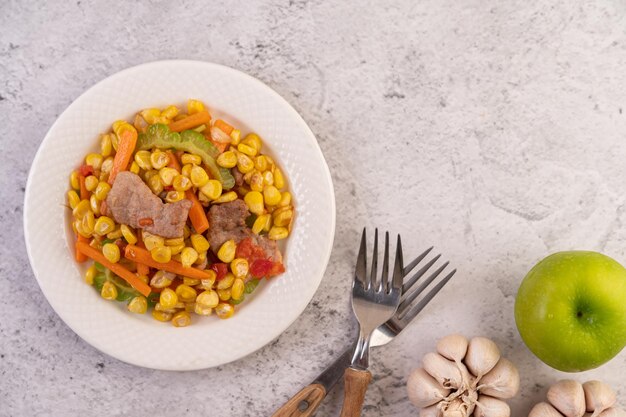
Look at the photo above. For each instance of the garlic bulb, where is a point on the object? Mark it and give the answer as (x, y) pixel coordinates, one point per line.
(569, 398)
(464, 378)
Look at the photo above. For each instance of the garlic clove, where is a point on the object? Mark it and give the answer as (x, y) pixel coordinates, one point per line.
(444, 371)
(432, 411)
(598, 396)
(491, 407)
(568, 397)
(544, 410)
(482, 355)
(613, 412)
(424, 390)
(453, 347)
(502, 381)
(455, 408)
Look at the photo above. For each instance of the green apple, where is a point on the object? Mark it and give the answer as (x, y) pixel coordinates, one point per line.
(571, 310)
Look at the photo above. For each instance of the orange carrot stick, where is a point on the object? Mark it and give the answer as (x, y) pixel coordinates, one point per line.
(137, 254)
(142, 269)
(84, 195)
(196, 212)
(191, 121)
(124, 154)
(117, 269)
(223, 126)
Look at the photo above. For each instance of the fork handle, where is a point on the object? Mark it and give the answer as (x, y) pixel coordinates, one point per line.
(304, 403)
(356, 385)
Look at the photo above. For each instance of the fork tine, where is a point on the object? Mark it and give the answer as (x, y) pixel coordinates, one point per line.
(410, 296)
(419, 274)
(407, 269)
(385, 273)
(398, 267)
(410, 315)
(360, 274)
(371, 281)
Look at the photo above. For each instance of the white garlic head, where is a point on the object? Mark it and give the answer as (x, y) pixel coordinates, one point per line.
(463, 378)
(568, 398)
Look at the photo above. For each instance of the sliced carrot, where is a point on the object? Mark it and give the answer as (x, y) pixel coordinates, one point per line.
(84, 194)
(124, 154)
(117, 269)
(142, 269)
(191, 121)
(139, 255)
(221, 146)
(223, 126)
(196, 213)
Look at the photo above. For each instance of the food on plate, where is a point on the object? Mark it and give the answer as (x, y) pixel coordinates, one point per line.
(180, 214)
(463, 378)
(569, 398)
(570, 310)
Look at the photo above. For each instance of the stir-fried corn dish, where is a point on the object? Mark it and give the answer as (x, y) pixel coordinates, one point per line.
(180, 214)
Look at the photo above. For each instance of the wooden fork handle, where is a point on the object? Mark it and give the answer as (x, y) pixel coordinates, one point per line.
(356, 382)
(304, 403)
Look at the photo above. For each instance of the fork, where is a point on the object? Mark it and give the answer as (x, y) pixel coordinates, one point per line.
(307, 400)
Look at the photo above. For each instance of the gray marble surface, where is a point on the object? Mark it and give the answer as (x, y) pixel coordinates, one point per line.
(493, 130)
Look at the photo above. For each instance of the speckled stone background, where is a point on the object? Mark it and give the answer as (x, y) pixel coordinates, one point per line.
(493, 130)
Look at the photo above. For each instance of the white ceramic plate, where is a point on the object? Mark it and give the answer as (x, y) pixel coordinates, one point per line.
(209, 341)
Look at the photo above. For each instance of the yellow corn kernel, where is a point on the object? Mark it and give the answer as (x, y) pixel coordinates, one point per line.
(271, 195)
(226, 253)
(115, 142)
(161, 254)
(77, 226)
(201, 310)
(268, 178)
(106, 147)
(254, 200)
(236, 291)
(167, 175)
(186, 231)
(261, 223)
(134, 168)
(174, 241)
(168, 298)
(107, 165)
(247, 149)
(198, 176)
(226, 197)
(115, 234)
(186, 171)
(121, 126)
(152, 241)
(260, 163)
(186, 294)
(282, 216)
(203, 199)
(159, 159)
(212, 189)
(226, 282)
(176, 249)
(111, 252)
(207, 283)
(279, 180)
(181, 319)
(253, 140)
(143, 160)
(104, 225)
(244, 163)
(94, 203)
(74, 182)
(88, 222)
(227, 159)
(151, 115)
(189, 158)
(285, 199)
(208, 298)
(138, 305)
(174, 196)
(188, 256)
(199, 242)
(102, 190)
(128, 234)
(239, 267)
(81, 209)
(256, 181)
(194, 106)
(108, 291)
(150, 173)
(224, 294)
(192, 282)
(224, 310)
(161, 316)
(73, 199)
(155, 184)
(90, 274)
(143, 278)
(91, 182)
(235, 135)
(162, 279)
(278, 233)
(170, 112)
(201, 257)
(94, 159)
(200, 128)
(139, 123)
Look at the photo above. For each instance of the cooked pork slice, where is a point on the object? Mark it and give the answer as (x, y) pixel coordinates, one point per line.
(131, 202)
(228, 221)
